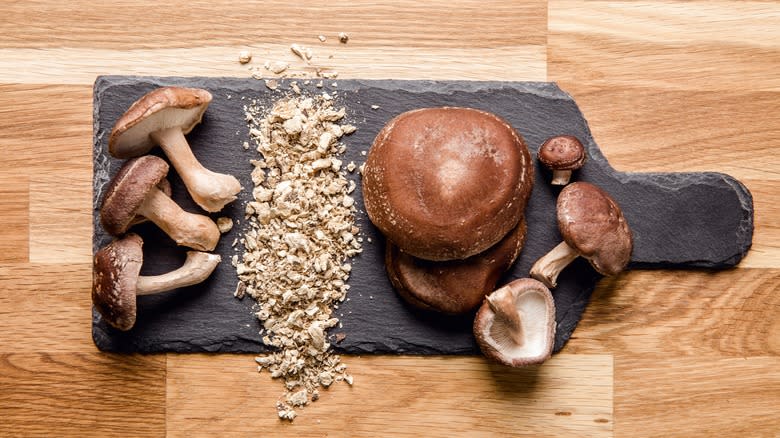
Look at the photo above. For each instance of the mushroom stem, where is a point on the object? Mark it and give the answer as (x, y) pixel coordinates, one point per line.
(561, 177)
(209, 189)
(197, 268)
(503, 306)
(547, 268)
(188, 229)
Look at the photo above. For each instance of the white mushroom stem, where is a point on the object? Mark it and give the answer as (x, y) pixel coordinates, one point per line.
(547, 268)
(197, 268)
(209, 189)
(561, 177)
(187, 229)
(503, 306)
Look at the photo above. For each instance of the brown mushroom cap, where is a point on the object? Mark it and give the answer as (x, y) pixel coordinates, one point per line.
(454, 286)
(563, 152)
(127, 191)
(447, 183)
(592, 223)
(515, 325)
(115, 273)
(162, 108)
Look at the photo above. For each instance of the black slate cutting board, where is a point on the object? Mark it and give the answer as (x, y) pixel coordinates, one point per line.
(701, 220)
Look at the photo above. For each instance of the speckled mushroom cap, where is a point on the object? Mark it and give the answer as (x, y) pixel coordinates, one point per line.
(447, 183)
(164, 107)
(454, 286)
(592, 223)
(563, 152)
(532, 309)
(114, 276)
(127, 191)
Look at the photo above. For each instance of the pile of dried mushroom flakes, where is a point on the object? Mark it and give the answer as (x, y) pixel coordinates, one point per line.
(301, 233)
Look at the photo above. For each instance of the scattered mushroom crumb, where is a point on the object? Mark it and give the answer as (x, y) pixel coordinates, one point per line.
(301, 223)
(343, 37)
(224, 224)
(322, 38)
(244, 56)
(374, 107)
(271, 84)
(277, 67)
(301, 52)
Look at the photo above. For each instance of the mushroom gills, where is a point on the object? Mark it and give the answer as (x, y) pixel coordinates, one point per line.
(531, 310)
(135, 140)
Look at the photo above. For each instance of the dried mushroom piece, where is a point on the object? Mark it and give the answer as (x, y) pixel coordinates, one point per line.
(455, 286)
(162, 117)
(516, 324)
(116, 279)
(562, 154)
(593, 227)
(134, 192)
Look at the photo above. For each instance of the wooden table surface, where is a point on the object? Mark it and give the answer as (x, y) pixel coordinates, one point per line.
(665, 86)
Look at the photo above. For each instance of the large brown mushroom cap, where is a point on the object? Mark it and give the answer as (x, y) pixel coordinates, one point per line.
(115, 273)
(162, 108)
(453, 286)
(447, 183)
(592, 223)
(127, 191)
(516, 324)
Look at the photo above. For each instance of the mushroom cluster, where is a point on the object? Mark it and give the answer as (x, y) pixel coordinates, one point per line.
(448, 187)
(139, 191)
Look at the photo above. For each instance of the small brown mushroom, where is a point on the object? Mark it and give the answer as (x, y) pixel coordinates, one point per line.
(447, 183)
(133, 192)
(516, 324)
(592, 226)
(562, 154)
(116, 279)
(162, 117)
(454, 286)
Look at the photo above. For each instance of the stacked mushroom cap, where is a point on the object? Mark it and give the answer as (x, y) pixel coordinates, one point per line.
(446, 184)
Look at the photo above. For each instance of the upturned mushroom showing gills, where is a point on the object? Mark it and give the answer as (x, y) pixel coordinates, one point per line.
(593, 227)
(515, 325)
(134, 192)
(162, 117)
(447, 183)
(562, 154)
(116, 279)
(453, 286)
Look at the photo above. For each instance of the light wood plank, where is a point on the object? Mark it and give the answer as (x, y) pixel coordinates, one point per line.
(81, 394)
(652, 314)
(571, 395)
(699, 45)
(45, 126)
(14, 217)
(45, 307)
(697, 397)
(81, 66)
(179, 23)
(61, 216)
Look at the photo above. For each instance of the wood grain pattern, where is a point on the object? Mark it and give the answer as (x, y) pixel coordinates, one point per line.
(81, 394)
(399, 396)
(666, 86)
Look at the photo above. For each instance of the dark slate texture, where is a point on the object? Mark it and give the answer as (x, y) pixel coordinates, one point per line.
(701, 220)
